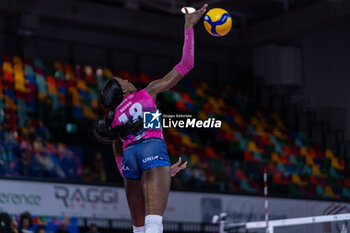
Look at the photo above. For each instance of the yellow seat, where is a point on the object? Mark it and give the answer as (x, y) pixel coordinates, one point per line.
(226, 127)
(329, 191)
(281, 125)
(335, 163)
(316, 171)
(303, 151)
(107, 72)
(200, 92)
(19, 76)
(205, 85)
(202, 115)
(94, 103)
(87, 111)
(212, 101)
(310, 160)
(20, 87)
(75, 97)
(237, 118)
(69, 75)
(17, 60)
(253, 147)
(6, 66)
(18, 65)
(296, 179)
(58, 65)
(42, 96)
(275, 157)
(254, 121)
(220, 103)
(186, 140)
(329, 154)
(259, 129)
(52, 89)
(81, 84)
(10, 103)
(194, 159)
(277, 132)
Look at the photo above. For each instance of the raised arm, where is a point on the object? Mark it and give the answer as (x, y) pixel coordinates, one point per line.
(187, 61)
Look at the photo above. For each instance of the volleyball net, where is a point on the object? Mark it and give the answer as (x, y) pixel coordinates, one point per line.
(226, 226)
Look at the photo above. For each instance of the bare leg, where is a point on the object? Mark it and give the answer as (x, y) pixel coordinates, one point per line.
(156, 186)
(136, 201)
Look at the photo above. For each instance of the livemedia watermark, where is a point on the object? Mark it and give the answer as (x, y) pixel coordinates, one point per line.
(157, 120)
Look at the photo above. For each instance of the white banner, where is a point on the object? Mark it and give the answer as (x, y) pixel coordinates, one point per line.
(57, 199)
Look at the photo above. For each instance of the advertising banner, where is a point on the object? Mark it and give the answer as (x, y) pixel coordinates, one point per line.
(105, 202)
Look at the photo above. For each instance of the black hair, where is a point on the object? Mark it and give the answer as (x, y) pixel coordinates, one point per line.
(5, 221)
(111, 95)
(26, 215)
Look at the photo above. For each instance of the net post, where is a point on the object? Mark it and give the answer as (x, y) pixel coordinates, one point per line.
(270, 229)
(266, 202)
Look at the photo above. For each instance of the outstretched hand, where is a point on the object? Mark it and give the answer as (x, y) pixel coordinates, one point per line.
(193, 18)
(176, 167)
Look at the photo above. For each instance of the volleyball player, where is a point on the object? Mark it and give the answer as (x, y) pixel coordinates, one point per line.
(141, 154)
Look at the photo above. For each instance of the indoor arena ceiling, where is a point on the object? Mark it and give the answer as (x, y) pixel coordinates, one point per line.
(244, 11)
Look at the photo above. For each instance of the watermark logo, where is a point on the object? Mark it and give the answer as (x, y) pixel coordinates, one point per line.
(151, 120)
(156, 120)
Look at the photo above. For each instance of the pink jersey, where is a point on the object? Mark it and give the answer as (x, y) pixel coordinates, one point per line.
(132, 108)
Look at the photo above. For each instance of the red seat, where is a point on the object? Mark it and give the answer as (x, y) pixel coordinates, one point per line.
(248, 156)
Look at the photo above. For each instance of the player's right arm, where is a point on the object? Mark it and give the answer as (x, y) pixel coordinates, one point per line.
(187, 62)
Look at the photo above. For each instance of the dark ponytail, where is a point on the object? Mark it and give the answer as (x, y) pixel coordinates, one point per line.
(111, 95)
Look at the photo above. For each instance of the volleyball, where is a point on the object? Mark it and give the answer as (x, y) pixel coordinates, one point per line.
(218, 22)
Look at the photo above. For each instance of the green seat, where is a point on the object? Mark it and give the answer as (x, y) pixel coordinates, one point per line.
(266, 157)
(176, 96)
(238, 135)
(243, 144)
(281, 168)
(301, 159)
(298, 142)
(48, 69)
(273, 139)
(293, 191)
(38, 63)
(307, 170)
(168, 96)
(257, 156)
(292, 159)
(346, 192)
(28, 69)
(324, 169)
(245, 186)
(320, 191)
(59, 74)
(333, 172)
(234, 146)
(279, 148)
(326, 162)
(251, 129)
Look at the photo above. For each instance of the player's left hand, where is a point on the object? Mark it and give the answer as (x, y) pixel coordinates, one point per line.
(176, 167)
